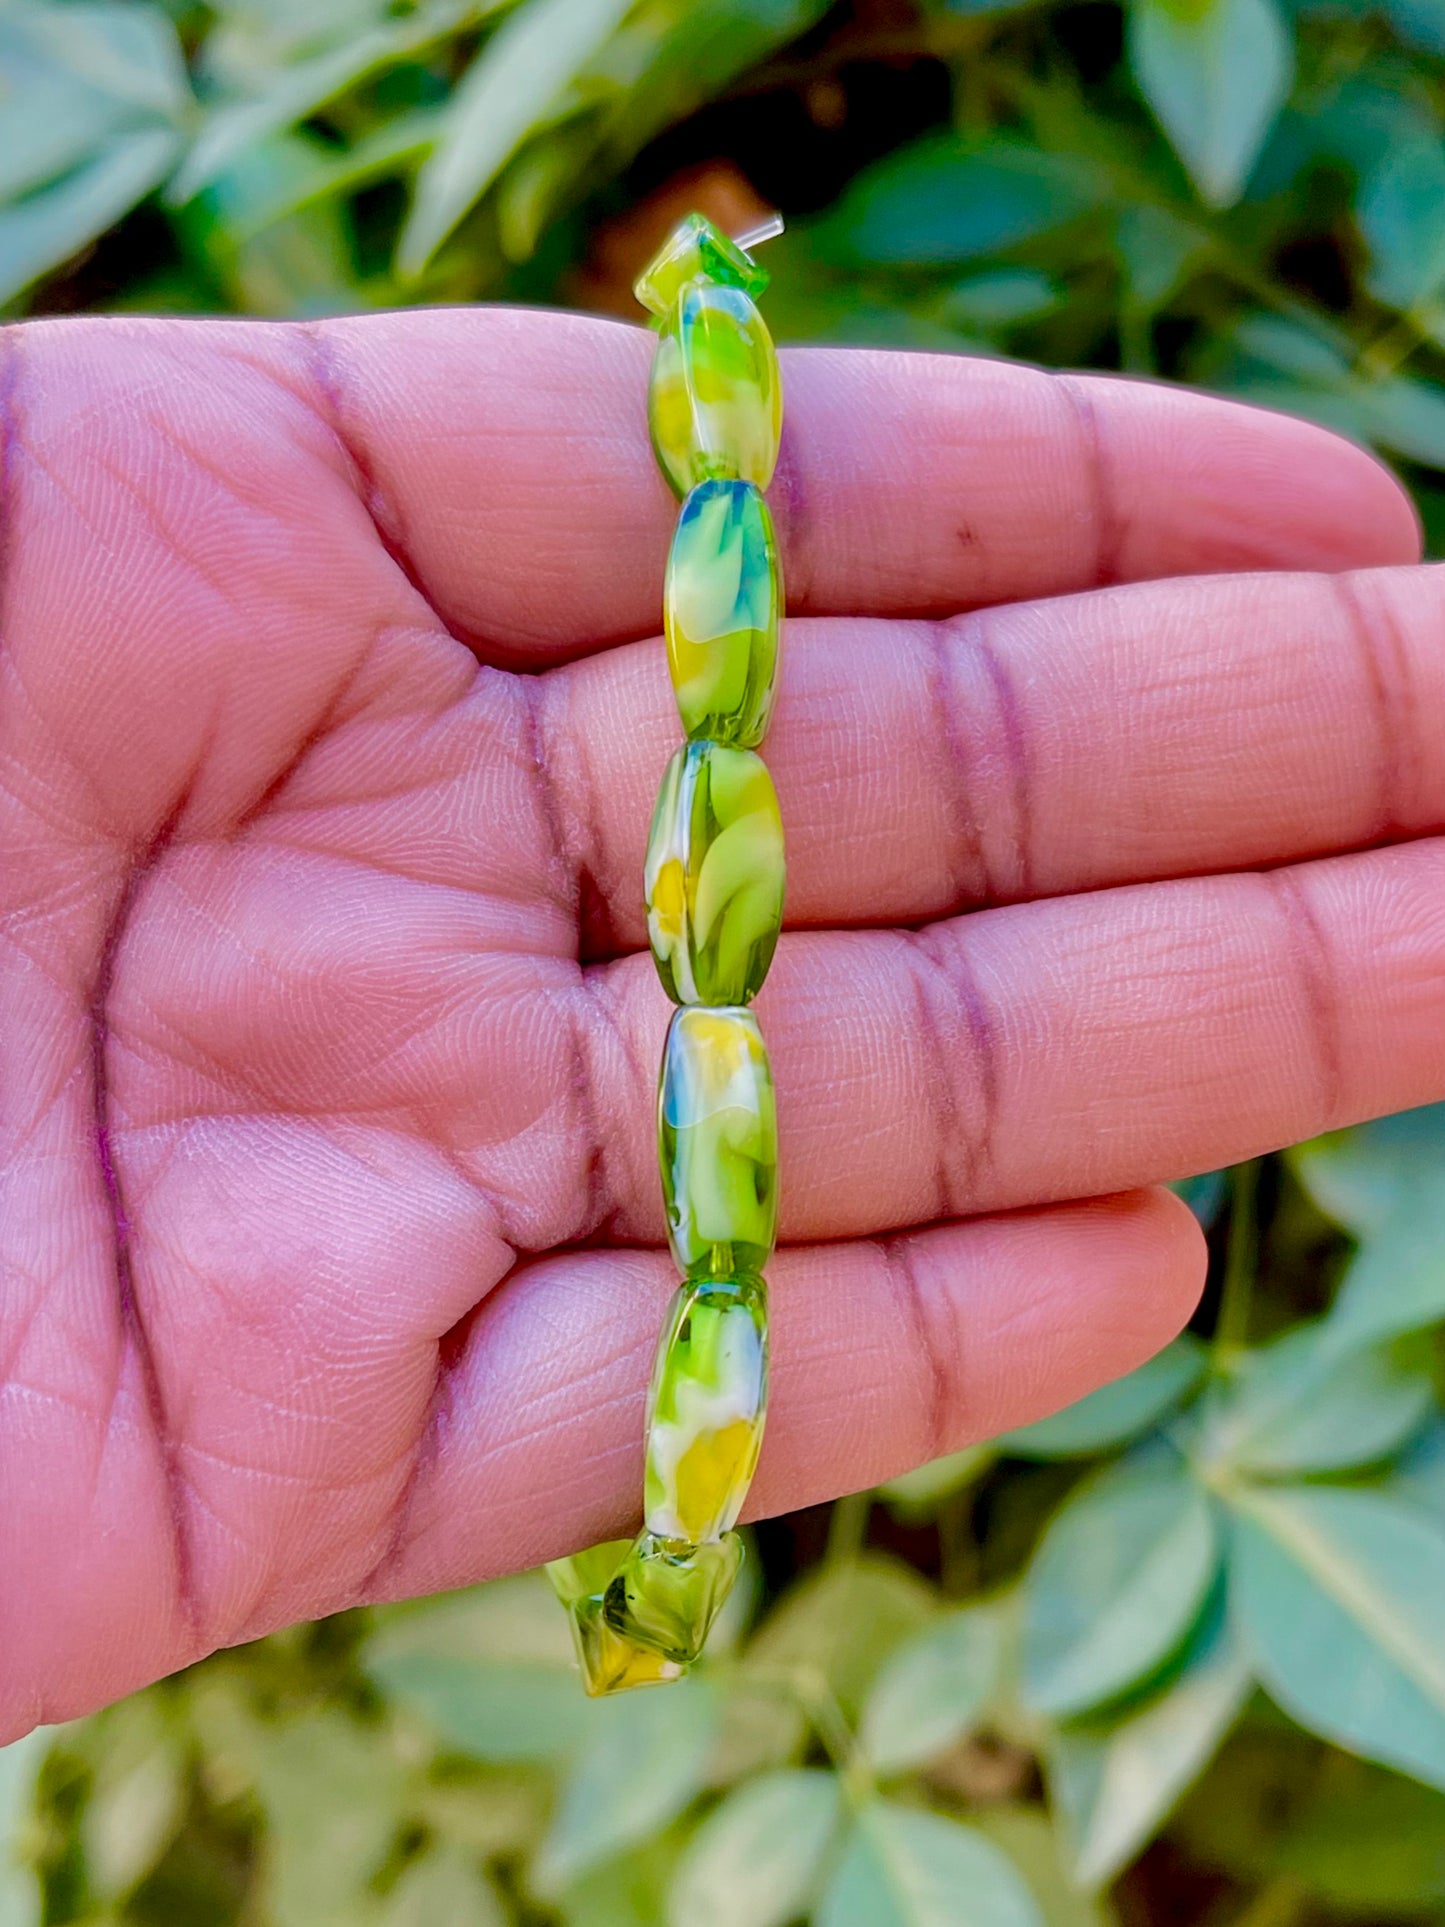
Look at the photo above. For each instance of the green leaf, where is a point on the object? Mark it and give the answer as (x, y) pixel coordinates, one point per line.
(1299, 1405)
(1115, 1412)
(515, 83)
(1115, 1781)
(1033, 1844)
(1420, 1473)
(1117, 1582)
(20, 1764)
(1385, 1182)
(757, 1859)
(644, 1759)
(491, 1669)
(1369, 1841)
(1338, 1596)
(73, 79)
(137, 1796)
(916, 1494)
(1216, 72)
(334, 1795)
(298, 90)
(904, 1868)
(841, 1623)
(48, 227)
(1399, 215)
(932, 1690)
(443, 1888)
(942, 201)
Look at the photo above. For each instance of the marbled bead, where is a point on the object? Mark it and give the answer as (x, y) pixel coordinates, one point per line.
(610, 1660)
(696, 251)
(667, 1593)
(706, 1408)
(717, 1143)
(715, 402)
(721, 601)
(713, 876)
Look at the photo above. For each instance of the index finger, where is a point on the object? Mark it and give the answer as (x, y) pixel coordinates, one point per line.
(507, 457)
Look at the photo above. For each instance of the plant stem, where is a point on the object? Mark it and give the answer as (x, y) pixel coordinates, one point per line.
(1280, 1903)
(1231, 1331)
(848, 1528)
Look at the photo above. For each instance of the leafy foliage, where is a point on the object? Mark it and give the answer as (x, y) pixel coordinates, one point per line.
(1178, 1651)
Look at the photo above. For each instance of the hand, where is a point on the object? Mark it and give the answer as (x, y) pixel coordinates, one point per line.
(329, 729)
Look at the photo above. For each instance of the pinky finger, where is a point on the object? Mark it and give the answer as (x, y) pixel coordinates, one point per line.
(886, 1353)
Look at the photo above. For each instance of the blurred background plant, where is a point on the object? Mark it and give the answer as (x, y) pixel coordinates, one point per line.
(1176, 1655)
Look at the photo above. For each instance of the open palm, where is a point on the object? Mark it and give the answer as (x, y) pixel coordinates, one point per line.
(330, 1233)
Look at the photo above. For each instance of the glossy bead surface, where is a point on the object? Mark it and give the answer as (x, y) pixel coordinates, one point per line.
(610, 1659)
(717, 1143)
(706, 1409)
(696, 251)
(720, 610)
(667, 1593)
(713, 877)
(715, 402)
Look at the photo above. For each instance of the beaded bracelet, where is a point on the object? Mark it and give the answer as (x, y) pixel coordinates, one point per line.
(641, 1611)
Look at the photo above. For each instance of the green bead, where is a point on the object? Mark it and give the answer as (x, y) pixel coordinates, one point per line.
(720, 607)
(713, 875)
(668, 1593)
(706, 1408)
(717, 1140)
(715, 402)
(610, 1659)
(696, 251)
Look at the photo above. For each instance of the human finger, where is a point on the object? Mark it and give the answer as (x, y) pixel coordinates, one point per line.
(505, 458)
(884, 1355)
(1070, 1046)
(1162, 729)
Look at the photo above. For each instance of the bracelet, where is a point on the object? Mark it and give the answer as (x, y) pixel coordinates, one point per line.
(641, 1611)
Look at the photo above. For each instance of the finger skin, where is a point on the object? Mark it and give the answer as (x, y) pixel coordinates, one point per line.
(1072, 1046)
(1156, 730)
(884, 1355)
(506, 458)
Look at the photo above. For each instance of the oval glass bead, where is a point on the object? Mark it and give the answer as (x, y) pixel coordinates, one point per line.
(721, 600)
(706, 1409)
(717, 1143)
(714, 875)
(715, 403)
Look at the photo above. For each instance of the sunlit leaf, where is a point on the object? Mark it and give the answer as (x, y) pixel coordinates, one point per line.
(1337, 1595)
(1303, 1405)
(757, 1859)
(20, 1763)
(1035, 1847)
(1216, 72)
(840, 1624)
(1399, 215)
(136, 1797)
(511, 87)
(234, 126)
(443, 1888)
(46, 228)
(917, 1493)
(1115, 1780)
(932, 1690)
(1385, 1182)
(906, 1868)
(1116, 1412)
(645, 1757)
(942, 201)
(1117, 1582)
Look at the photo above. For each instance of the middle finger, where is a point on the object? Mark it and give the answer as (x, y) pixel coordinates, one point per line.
(1160, 729)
